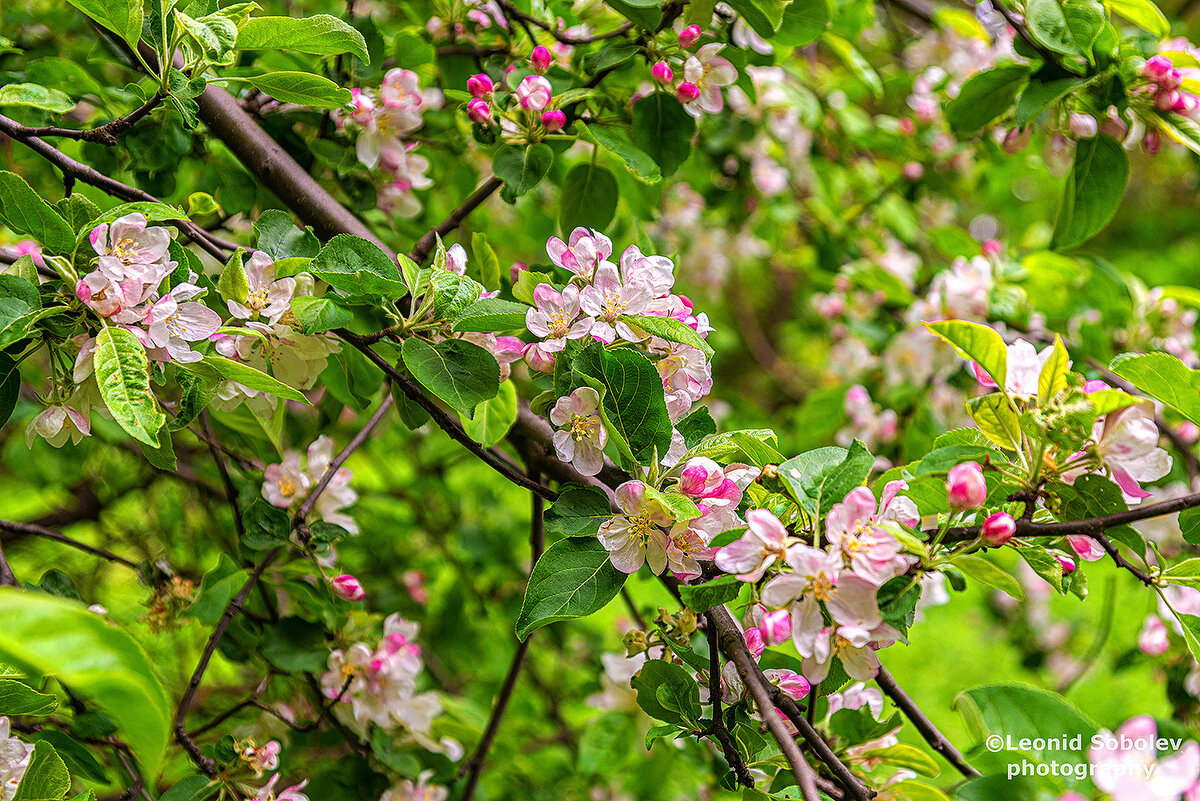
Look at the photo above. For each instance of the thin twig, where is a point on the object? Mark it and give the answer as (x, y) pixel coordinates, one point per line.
(426, 243)
(513, 11)
(230, 490)
(105, 134)
(341, 458)
(35, 530)
(717, 727)
(924, 726)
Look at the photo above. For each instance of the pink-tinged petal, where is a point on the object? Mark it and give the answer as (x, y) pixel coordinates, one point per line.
(656, 553)
(853, 603)
(588, 459)
(1127, 483)
(766, 526)
(858, 505)
(1085, 547)
(861, 663)
(808, 627)
(741, 556)
(546, 298)
(982, 377)
(631, 497)
(783, 590)
(1177, 774)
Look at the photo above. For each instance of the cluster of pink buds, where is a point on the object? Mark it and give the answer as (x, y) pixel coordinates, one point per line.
(1166, 80)
(533, 94)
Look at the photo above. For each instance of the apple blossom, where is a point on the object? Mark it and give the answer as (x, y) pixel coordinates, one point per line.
(128, 242)
(480, 111)
(347, 588)
(638, 535)
(792, 684)
(856, 526)
(480, 86)
(554, 316)
(421, 790)
(1024, 366)
(540, 59)
(582, 436)
(708, 72)
(1152, 639)
(1152, 142)
(533, 93)
(966, 487)
(14, 760)
(261, 758)
(764, 542)
(538, 358)
(755, 641)
(582, 253)
(690, 35)
(268, 296)
(292, 793)
(1129, 768)
(999, 528)
(777, 626)
(609, 300)
(554, 120)
(1127, 444)
(56, 424)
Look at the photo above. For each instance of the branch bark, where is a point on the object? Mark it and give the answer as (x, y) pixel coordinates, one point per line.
(924, 726)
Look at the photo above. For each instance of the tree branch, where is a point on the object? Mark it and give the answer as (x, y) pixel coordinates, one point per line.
(426, 243)
(105, 134)
(717, 727)
(35, 530)
(924, 726)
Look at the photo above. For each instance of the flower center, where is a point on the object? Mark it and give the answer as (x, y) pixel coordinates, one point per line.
(559, 324)
(288, 489)
(257, 299)
(821, 587)
(641, 528)
(175, 326)
(126, 250)
(614, 306)
(582, 427)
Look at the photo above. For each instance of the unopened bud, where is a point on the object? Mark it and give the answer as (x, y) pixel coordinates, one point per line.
(479, 110)
(999, 529)
(540, 59)
(662, 72)
(1082, 126)
(480, 86)
(554, 120)
(347, 588)
(690, 35)
(687, 92)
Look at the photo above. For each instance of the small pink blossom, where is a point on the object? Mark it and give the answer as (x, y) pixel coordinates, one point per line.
(533, 93)
(965, 486)
(764, 542)
(555, 317)
(347, 588)
(1129, 767)
(755, 641)
(581, 437)
(1153, 639)
(638, 535)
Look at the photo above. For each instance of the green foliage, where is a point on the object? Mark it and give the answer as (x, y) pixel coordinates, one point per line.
(573, 578)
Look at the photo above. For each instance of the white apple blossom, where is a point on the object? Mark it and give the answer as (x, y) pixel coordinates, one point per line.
(638, 535)
(581, 436)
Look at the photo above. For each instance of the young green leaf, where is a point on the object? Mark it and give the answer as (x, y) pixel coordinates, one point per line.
(302, 88)
(461, 374)
(319, 34)
(573, 578)
(123, 375)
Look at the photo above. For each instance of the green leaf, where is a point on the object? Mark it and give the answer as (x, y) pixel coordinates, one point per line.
(1163, 377)
(696, 425)
(764, 16)
(1142, 13)
(316, 315)
(644, 13)
(996, 419)
(279, 238)
(1093, 191)
(1053, 377)
(452, 294)
(702, 597)
(18, 698)
(578, 512)
(191, 788)
(77, 757)
(52, 636)
(804, 474)
(669, 329)
(491, 314)
(356, 266)
(485, 257)
(24, 211)
(637, 162)
(854, 61)
(663, 129)
(985, 96)
(977, 343)
(1021, 712)
(320, 34)
(1186, 572)
(1039, 96)
(803, 22)
(461, 374)
(35, 96)
(666, 691)
(851, 472)
(494, 417)
(123, 375)
(588, 199)
(1189, 525)
(633, 398)
(302, 88)
(234, 284)
(122, 17)
(522, 168)
(296, 645)
(1069, 28)
(987, 572)
(46, 777)
(573, 578)
(254, 379)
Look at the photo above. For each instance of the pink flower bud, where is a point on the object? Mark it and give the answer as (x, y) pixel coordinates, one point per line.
(480, 111)
(480, 86)
(755, 642)
(533, 92)
(1172, 80)
(687, 92)
(913, 170)
(999, 529)
(965, 486)
(777, 626)
(1068, 564)
(1165, 99)
(992, 249)
(907, 126)
(1152, 142)
(1185, 104)
(347, 588)
(690, 35)
(540, 59)
(554, 120)
(515, 271)
(1156, 68)
(414, 582)
(538, 359)
(1114, 126)
(662, 72)
(1082, 126)
(1153, 639)
(793, 684)
(1015, 140)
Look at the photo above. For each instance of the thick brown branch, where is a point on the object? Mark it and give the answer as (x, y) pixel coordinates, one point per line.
(924, 726)
(717, 727)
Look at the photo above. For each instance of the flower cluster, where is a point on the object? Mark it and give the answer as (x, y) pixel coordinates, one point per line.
(647, 531)
(384, 121)
(704, 74)
(286, 484)
(836, 584)
(380, 685)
